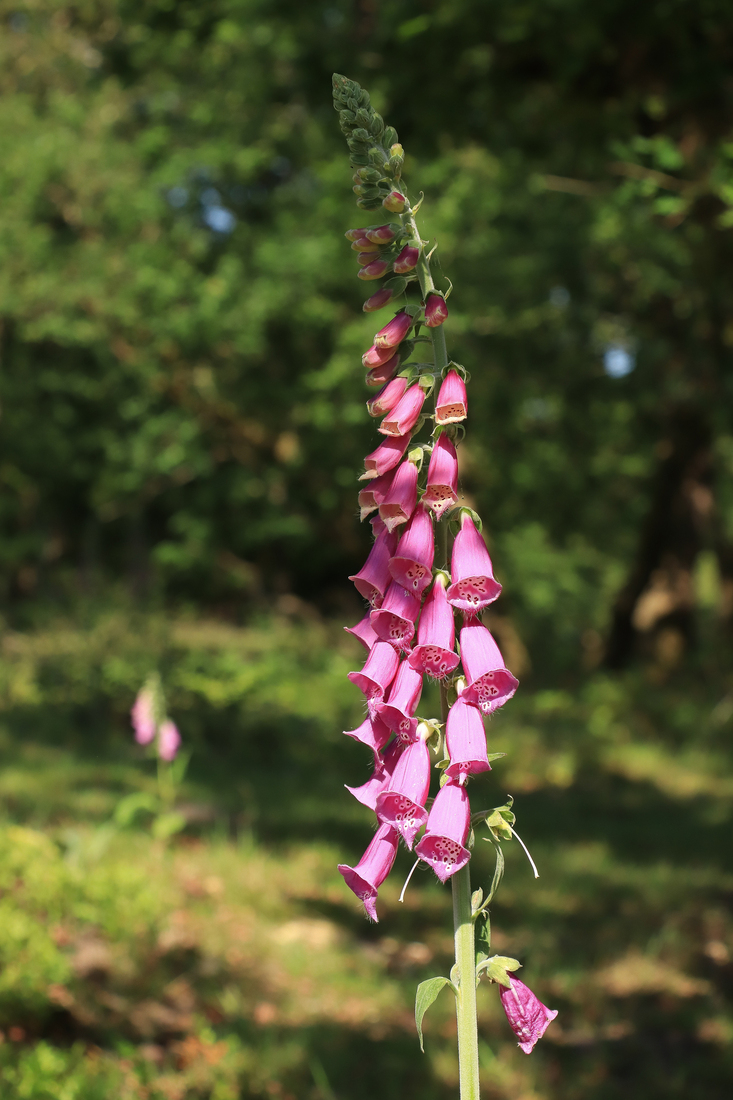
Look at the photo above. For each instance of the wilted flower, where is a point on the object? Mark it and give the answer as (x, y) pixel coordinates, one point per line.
(527, 1016)
(373, 868)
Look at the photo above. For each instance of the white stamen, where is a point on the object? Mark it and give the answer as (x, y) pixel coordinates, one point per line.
(402, 895)
(526, 852)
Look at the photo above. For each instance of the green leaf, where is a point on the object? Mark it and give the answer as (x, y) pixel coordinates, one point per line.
(498, 869)
(427, 991)
(495, 756)
(166, 825)
(131, 805)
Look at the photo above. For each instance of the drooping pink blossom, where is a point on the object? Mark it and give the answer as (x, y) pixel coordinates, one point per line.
(395, 202)
(377, 376)
(527, 1016)
(407, 259)
(378, 300)
(142, 716)
(373, 733)
(394, 332)
(442, 486)
(373, 868)
(436, 310)
(385, 457)
(374, 577)
(402, 803)
(465, 741)
(169, 740)
(404, 415)
(434, 655)
(444, 845)
(374, 270)
(385, 763)
(364, 631)
(398, 710)
(412, 562)
(452, 403)
(398, 502)
(490, 684)
(381, 234)
(377, 674)
(395, 620)
(375, 357)
(389, 396)
(473, 586)
(373, 493)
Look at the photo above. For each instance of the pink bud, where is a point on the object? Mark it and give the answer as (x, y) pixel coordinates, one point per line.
(383, 234)
(373, 868)
(362, 245)
(400, 499)
(412, 563)
(465, 741)
(385, 764)
(527, 1016)
(395, 202)
(363, 631)
(402, 804)
(377, 674)
(452, 402)
(395, 620)
(374, 270)
(436, 310)
(377, 376)
(354, 234)
(407, 259)
(142, 716)
(375, 356)
(399, 709)
(394, 331)
(378, 300)
(373, 578)
(169, 741)
(442, 487)
(372, 495)
(404, 415)
(387, 399)
(490, 684)
(473, 586)
(374, 734)
(385, 457)
(436, 636)
(444, 843)
(365, 258)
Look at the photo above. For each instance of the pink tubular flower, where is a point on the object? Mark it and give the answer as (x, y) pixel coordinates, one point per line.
(374, 270)
(364, 246)
(436, 311)
(465, 741)
(375, 357)
(364, 631)
(395, 620)
(373, 578)
(527, 1016)
(385, 764)
(395, 202)
(355, 234)
(381, 234)
(402, 803)
(364, 258)
(377, 376)
(407, 259)
(398, 711)
(377, 674)
(473, 586)
(401, 497)
(372, 495)
(374, 734)
(442, 487)
(394, 331)
(389, 396)
(490, 684)
(378, 300)
(169, 740)
(436, 636)
(452, 403)
(373, 868)
(444, 843)
(385, 457)
(412, 563)
(404, 415)
(142, 716)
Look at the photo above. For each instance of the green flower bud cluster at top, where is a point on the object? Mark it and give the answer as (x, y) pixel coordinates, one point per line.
(414, 582)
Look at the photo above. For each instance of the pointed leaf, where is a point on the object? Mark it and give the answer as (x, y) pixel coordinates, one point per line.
(507, 963)
(495, 756)
(427, 991)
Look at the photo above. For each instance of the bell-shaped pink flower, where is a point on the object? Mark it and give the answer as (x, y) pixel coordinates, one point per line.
(394, 331)
(473, 586)
(169, 740)
(381, 234)
(374, 734)
(404, 414)
(399, 709)
(436, 310)
(142, 716)
(434, 655)
(395, 620)
(444, 843)
(407, 259)
(384, 766)
(372, 495)
(412, 563)
(402, 803)
(395, 202)
(452, 403)
(385, 457)
(373, 868)
(375, 356)
(490, 684)
(388, 397)
(400, 499)
(374, 270)
(527, 1016)
(442, 487)
(378, 300)
(465, 741)
(364, 631)
(377, 674)
(378, 376)
(374, 577)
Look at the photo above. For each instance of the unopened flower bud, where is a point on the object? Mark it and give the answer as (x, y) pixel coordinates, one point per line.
(354, 234)
(390, 137)
(377, 376)
(378, 300)
(394, 332)
(407, 259)
(375, 356)
(362, 244)
(387, 399)
(363, 118)
(374, 270)
(364, 258)
(370, 175)
(436, 310)
(383, 234)
(395, 201)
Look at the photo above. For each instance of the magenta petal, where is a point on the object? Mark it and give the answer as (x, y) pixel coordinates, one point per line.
(397, 712)
(364, 631)
(372, 495)
(377, 376)
(473, 586)
(385, 457)
(169, 740)
(452, 403)
(490, 684)
(527, 1016)
(402, 803)
(387, 399)
(401, 497)
(395, 620)
(376, 356)
(373, 868)
(394, 331)
(434, 653)
(465, 741)
(385, 763)
(404, 415)
(143, 717)
(412, 563)
(443, 845)
(374, 577)
(372, 732)
(442, 486)
(436, 311)
(378, 672)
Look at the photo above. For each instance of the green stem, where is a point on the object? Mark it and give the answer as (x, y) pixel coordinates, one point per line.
(466, 980)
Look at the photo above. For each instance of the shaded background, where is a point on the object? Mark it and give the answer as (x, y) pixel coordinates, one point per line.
(182, 428)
